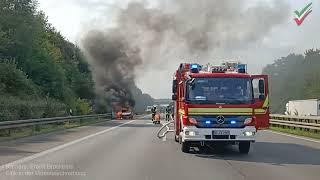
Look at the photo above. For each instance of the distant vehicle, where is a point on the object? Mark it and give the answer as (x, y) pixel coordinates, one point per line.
(148, 110)
(125, 113)
(308, 107)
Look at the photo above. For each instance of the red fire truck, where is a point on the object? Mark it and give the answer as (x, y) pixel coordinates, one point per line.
(218, 105)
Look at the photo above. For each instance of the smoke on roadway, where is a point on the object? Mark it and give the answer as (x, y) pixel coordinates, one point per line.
(150, 38)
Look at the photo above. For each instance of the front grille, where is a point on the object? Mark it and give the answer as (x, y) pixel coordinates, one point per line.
(210, 121)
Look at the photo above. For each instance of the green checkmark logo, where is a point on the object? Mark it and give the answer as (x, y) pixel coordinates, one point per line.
(299, 14)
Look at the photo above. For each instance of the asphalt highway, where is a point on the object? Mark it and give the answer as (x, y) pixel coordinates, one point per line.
(130, 150)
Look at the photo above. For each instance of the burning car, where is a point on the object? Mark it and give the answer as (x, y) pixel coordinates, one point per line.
(125, 113)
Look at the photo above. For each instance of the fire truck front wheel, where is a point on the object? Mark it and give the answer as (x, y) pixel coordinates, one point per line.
(244, 147)
(185, 147)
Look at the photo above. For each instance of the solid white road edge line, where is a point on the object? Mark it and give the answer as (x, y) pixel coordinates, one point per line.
(294, 136)
(35, 156)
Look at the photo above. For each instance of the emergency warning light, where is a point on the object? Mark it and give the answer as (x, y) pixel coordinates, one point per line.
(195, 68)
(242, 68)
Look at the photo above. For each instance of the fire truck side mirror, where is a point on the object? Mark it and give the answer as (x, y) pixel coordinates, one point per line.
(261, 86)
(174, 97)
(174, 86)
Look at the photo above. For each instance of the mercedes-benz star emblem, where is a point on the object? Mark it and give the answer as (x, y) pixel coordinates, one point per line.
(220, 120)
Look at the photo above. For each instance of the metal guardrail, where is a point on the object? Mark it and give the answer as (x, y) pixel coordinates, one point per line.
(303, 122)
(32, 122)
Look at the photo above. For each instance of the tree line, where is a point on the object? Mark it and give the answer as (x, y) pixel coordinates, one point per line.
(41, 73)
(294, 77)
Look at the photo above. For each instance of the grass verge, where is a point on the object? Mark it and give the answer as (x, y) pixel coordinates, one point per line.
(297, 132)
(11, 134)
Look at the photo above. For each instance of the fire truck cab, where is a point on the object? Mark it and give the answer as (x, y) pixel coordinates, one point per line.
(217, 105)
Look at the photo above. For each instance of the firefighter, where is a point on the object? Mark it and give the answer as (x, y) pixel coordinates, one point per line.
(157, 118)
(168, 112)
(172, 111)
(154, 112)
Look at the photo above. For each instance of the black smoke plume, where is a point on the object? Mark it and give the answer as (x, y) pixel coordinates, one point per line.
(113, 60)
(155, 38)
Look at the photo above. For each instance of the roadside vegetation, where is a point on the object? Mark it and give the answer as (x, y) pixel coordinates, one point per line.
(299, 132)
(42, 74)
(294, 77)
(15, 133)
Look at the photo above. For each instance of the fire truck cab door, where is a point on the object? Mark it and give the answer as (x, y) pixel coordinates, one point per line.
(261, 101)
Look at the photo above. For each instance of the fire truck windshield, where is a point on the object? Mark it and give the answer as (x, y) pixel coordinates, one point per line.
(220, 91)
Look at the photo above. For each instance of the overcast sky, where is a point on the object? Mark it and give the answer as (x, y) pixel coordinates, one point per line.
(74, 17)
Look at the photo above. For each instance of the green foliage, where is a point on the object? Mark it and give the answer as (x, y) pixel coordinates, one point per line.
(83, 107)
(15, 82)
(46, 73)
(20, 26)
(14, 108)
(53, 108)
(294, 77)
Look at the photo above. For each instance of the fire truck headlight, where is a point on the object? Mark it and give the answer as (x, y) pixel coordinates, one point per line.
(248, 133)
(192, 133)
(247, 121)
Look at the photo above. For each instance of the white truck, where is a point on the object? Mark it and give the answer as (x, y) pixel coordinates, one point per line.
(308, 107)
(148, 110)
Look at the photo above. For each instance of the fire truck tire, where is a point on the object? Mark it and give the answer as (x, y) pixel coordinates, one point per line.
(244, 147)
(185, 147)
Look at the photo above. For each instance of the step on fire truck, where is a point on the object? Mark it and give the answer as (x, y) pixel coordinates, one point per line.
(218, 105)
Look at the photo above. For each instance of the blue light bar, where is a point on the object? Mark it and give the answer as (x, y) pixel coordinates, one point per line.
(208, 122)
(233, 122)
(242, 68)
(195, 68)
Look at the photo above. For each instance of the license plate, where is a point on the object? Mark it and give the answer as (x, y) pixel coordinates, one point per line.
(221, 132)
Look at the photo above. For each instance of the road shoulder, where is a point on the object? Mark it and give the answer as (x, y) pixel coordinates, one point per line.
(20, 148)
